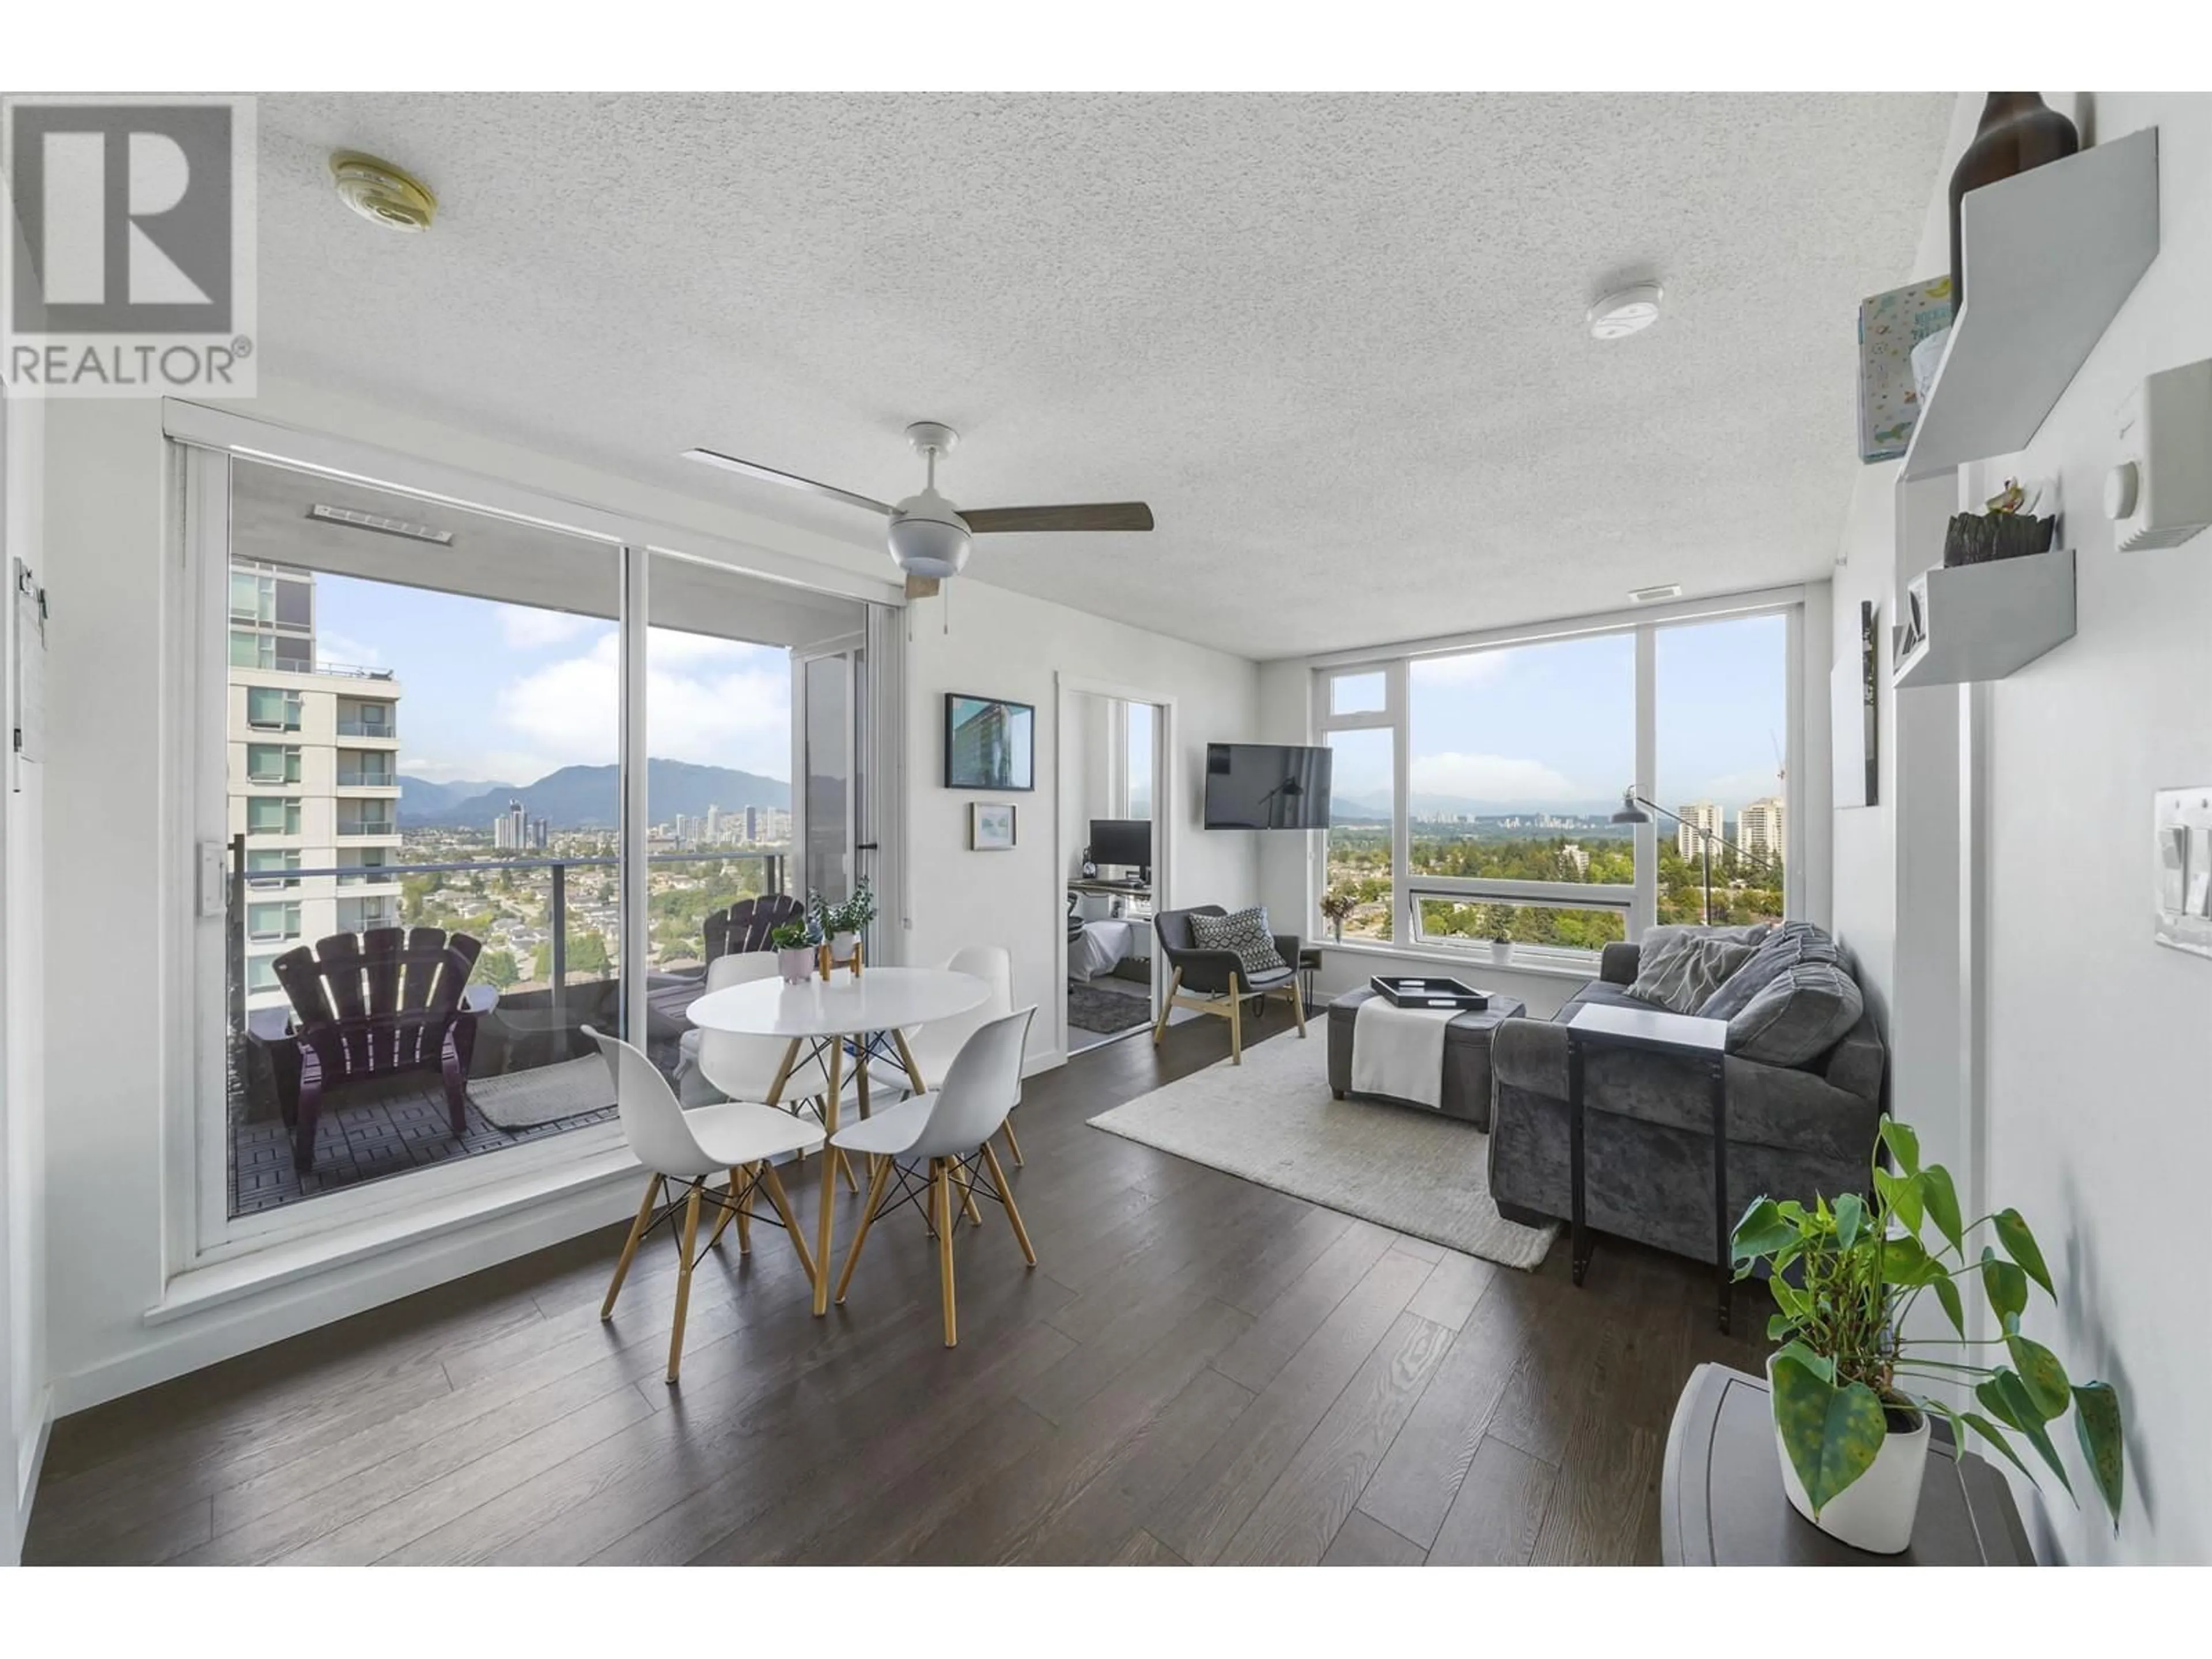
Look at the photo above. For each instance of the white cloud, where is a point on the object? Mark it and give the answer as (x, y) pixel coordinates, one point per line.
(1505, 778)
(1468, 668)
(525, 628)
(712, 701)
(342, 648)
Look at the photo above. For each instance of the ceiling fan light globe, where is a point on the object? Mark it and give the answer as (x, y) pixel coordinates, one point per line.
(927, 537)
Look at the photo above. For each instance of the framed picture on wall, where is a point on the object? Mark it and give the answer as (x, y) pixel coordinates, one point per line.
(990, 826)
(989, 743)
(1854, 685)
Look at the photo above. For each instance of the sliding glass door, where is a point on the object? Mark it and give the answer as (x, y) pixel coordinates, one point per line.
(420, 734)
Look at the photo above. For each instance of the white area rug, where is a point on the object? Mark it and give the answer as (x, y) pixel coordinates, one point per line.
(1272, 1120)
(523, 1100)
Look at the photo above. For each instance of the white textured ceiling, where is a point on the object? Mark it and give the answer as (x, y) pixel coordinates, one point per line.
(1335, 341)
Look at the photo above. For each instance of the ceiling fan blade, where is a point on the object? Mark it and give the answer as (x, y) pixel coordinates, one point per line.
(1094, 515)
(921, 588)
(790, 480)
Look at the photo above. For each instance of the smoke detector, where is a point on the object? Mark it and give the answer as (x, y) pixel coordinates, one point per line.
(1624, 311)
(1653, 595)
(382, 193)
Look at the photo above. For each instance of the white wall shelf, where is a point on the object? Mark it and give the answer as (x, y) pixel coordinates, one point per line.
(2050, 255)
(1980, 622)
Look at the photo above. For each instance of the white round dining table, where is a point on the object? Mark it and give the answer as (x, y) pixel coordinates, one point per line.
(864, 1007)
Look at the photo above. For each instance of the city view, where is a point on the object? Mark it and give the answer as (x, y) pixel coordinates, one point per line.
(1519, 756)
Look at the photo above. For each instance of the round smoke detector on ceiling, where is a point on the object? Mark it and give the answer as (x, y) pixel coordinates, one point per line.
(382, 193)
(1627, 311)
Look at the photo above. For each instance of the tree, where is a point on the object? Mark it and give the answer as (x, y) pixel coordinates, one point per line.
(498, 969)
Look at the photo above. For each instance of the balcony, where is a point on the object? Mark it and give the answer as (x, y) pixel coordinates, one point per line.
(361, 777)
(381, 731)
(548, 966)
(363, 826)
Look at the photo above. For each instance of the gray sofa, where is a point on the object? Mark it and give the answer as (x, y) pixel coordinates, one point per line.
(1794, 1131)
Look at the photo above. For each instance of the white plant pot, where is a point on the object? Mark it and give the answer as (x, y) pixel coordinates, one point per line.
(842, 945)
(1501, 951)
(1876, 1512)
(796, 964)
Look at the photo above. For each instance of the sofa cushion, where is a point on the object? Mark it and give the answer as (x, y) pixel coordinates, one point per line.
(1245, 933)
(1782, 949)
(1798, 1015)
(1678, 968)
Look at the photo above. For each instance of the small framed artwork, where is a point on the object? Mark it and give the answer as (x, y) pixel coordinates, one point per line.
(1853, 686)
(990, 826)
(989, 743)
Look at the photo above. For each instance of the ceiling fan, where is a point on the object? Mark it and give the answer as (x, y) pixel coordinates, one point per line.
(929, 537)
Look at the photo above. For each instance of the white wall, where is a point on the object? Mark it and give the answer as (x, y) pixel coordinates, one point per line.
(2085, 1098)
(1007, 645)
(24, 1396)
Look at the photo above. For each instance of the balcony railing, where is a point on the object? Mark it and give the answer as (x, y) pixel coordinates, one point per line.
(353, 726)
(773, 873)
(350, 829)
(353, 777)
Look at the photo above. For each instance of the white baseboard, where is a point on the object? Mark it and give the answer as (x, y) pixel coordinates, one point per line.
(31, 1460)
(1048, 1059)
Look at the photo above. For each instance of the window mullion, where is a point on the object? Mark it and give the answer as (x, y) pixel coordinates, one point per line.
(1644, 912)
(1396, 682)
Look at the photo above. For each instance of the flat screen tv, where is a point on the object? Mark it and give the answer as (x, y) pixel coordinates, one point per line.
(1266, 786)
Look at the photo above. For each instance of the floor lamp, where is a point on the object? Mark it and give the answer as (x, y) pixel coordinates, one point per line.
(1633, 811)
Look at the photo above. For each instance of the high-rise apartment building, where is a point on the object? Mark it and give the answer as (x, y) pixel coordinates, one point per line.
(510, 831)
(313, 769)
(1698, 815)
(1758, 829)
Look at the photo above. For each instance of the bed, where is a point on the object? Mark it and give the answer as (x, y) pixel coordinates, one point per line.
(1099, 945)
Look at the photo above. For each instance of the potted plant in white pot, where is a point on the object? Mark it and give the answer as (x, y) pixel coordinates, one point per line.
(1501, 935)
(1849, 1418)
(795, 942)
(844, 923)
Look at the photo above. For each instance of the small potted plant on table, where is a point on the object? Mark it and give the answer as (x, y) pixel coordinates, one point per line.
(1501, 935)
(1849, 1416)
(843, 925)
(795, 943)
(1337, 905)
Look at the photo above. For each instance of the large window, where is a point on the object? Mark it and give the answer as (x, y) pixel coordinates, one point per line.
(1505, 839)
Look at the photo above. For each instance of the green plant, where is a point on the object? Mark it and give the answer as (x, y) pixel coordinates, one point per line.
(796, 934)
(1846, 1278)
(852, 916)
(1337, 904)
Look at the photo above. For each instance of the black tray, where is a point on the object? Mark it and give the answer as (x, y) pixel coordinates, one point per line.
(1429, 991)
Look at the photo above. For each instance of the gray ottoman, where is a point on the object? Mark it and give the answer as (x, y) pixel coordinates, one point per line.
(1467, 1056)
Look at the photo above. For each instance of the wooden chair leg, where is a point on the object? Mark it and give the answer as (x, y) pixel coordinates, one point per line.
(966, 1197)
(1006, 1196)
(876, 1185)
(1013, 1145)
(777, 1196)
(733, 1209)
(683, 1277)
(1167, 1006)
(845, 1165)
(1297, 1003)
(630, 1246)
(1235, 1023)
(940, 1193)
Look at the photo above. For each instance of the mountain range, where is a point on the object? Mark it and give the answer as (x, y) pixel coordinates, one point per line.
(588, 797)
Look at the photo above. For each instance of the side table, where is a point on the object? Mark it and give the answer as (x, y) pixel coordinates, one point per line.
(1705, 1041)
(1720, 1502)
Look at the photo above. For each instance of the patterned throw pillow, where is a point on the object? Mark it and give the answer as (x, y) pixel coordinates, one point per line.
(1244, 932)
(1679, 967)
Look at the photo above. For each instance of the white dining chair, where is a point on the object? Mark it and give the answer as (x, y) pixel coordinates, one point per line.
(932, 1143)
(935, 1046)
(691, 1147)
(743, 1066)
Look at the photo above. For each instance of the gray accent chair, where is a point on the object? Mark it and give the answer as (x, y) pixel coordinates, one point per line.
(1793, 1132)
(1214, 982)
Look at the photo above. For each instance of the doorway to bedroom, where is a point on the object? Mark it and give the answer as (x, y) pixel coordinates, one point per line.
(1110, 785)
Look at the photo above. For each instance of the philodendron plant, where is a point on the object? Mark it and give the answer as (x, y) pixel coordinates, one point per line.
(1845, 1277)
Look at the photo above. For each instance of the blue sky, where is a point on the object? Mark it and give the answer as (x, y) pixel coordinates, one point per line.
(1554, 725)
(504, 693)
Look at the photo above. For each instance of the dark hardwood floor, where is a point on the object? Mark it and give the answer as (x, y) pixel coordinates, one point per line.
(1199, 1370)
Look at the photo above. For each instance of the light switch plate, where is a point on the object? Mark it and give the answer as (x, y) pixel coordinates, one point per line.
(2181, 869)
(2158, 492)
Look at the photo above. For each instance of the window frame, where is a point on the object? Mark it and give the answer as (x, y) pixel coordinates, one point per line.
(1639, 903)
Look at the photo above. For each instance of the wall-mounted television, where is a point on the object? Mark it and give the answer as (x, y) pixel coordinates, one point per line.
(1266, 786)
